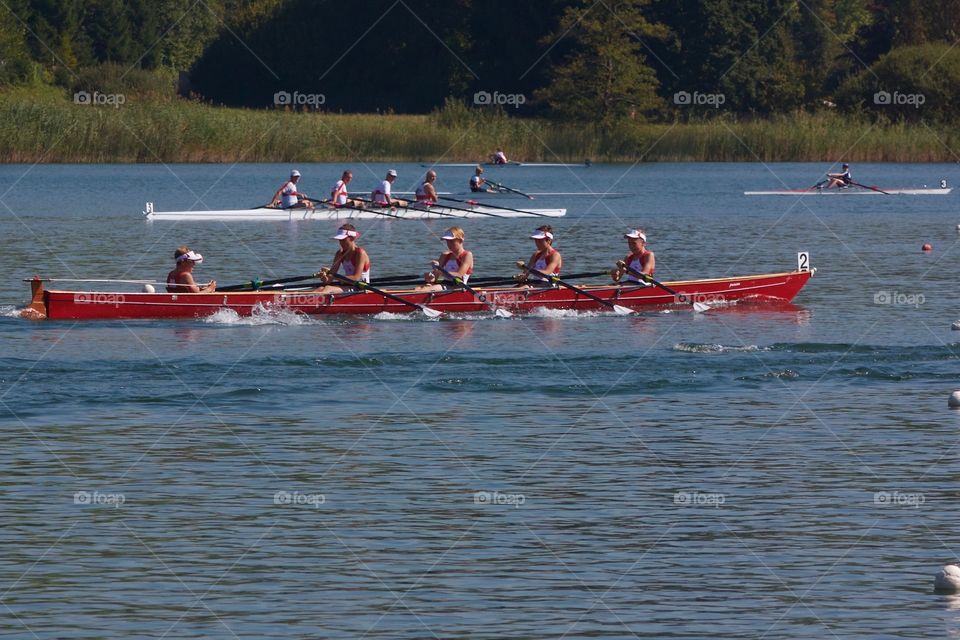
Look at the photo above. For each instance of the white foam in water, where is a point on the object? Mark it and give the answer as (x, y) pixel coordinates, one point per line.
(260, 316)
(692, 347)
(543, 312)
(386, 315)
(9, 312)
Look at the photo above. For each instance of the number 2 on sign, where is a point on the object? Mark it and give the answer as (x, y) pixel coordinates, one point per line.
(803, 261)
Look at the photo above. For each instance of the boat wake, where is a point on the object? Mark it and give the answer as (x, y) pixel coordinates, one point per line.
(6, 311)
(543, 312)
(261, 316)
(696, 347)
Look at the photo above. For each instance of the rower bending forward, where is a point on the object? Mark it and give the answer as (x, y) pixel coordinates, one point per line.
(640, 259)
(351, 260)
(545, 259)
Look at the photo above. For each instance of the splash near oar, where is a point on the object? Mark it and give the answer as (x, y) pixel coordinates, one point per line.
(480, 295)
(363, 286)
(555, 280)
(697, 306)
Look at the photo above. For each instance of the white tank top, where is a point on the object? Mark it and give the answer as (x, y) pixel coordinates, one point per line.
(289, 193)
(541, 265)
(339, 193)
(452, 266)
(347, 269)
(381, 195)
(637, 265)
(421, 193)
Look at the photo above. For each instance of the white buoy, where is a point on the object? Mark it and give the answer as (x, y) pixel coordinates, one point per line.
(954, 401)
(148, 288)
(947, 579)
(956, 325)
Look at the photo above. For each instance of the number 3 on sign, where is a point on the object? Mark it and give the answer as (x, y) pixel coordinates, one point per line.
(803, 261)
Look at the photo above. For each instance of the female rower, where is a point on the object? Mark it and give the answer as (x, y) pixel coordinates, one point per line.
(351, 260)
(426, 193)
(478, 184)
(180, 280)
(842, 179)
(500, 157)
(545, 259)
(456, 261)
(287, 196)
(639, 259)
(338, 195)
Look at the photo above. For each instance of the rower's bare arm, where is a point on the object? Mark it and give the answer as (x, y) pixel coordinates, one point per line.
(649, 265)
(552, 264)
(210, 287)
(466, 265)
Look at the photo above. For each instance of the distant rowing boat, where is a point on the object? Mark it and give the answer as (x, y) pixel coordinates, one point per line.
(414, 212)
(510, 164)
(855, 191)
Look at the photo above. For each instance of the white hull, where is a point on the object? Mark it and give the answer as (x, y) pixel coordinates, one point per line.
(853, 192)
(323, 213)
(509, 164)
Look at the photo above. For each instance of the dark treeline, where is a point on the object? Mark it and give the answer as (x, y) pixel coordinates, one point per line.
(574, 60)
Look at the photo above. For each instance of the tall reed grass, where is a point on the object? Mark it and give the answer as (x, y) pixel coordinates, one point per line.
(43, 124)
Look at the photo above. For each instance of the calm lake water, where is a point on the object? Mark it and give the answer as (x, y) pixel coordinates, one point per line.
(787, 473)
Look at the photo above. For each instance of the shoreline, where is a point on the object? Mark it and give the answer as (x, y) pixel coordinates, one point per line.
(43, 126)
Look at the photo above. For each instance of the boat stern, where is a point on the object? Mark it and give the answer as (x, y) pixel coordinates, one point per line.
(37, 309)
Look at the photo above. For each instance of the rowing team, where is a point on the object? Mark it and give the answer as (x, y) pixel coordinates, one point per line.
(288, 196)
(351, 263)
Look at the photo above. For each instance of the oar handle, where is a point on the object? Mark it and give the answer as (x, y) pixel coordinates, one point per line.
(482, 297)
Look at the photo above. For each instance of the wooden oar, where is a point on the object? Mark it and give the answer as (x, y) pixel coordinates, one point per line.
(482, 297)
(493, 206)
(363, 286)
(555, 280)
(871, 188)
(699, 307)
(504, 187)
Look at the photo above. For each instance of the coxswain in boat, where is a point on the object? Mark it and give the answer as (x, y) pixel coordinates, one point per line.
(180, 280)
(640, 259)
(456, 261)
(351, 260)
(426, 193)
(478, 184)
(381, 195)
(288, 197)
(339, 196)
(500, 157)
(545, 259)
(842, 179)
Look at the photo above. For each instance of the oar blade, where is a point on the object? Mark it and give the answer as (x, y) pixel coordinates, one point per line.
(502, 313)
(700, 307)
(430, 313)
(622, 311)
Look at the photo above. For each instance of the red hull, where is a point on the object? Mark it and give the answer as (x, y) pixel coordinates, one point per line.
(91, 305)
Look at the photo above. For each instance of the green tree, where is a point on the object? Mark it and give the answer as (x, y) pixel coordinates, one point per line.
(605, 77)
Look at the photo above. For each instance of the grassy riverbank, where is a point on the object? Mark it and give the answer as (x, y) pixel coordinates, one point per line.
(42, 124)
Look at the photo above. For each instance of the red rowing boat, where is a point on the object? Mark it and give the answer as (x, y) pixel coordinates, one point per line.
(90, 305)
